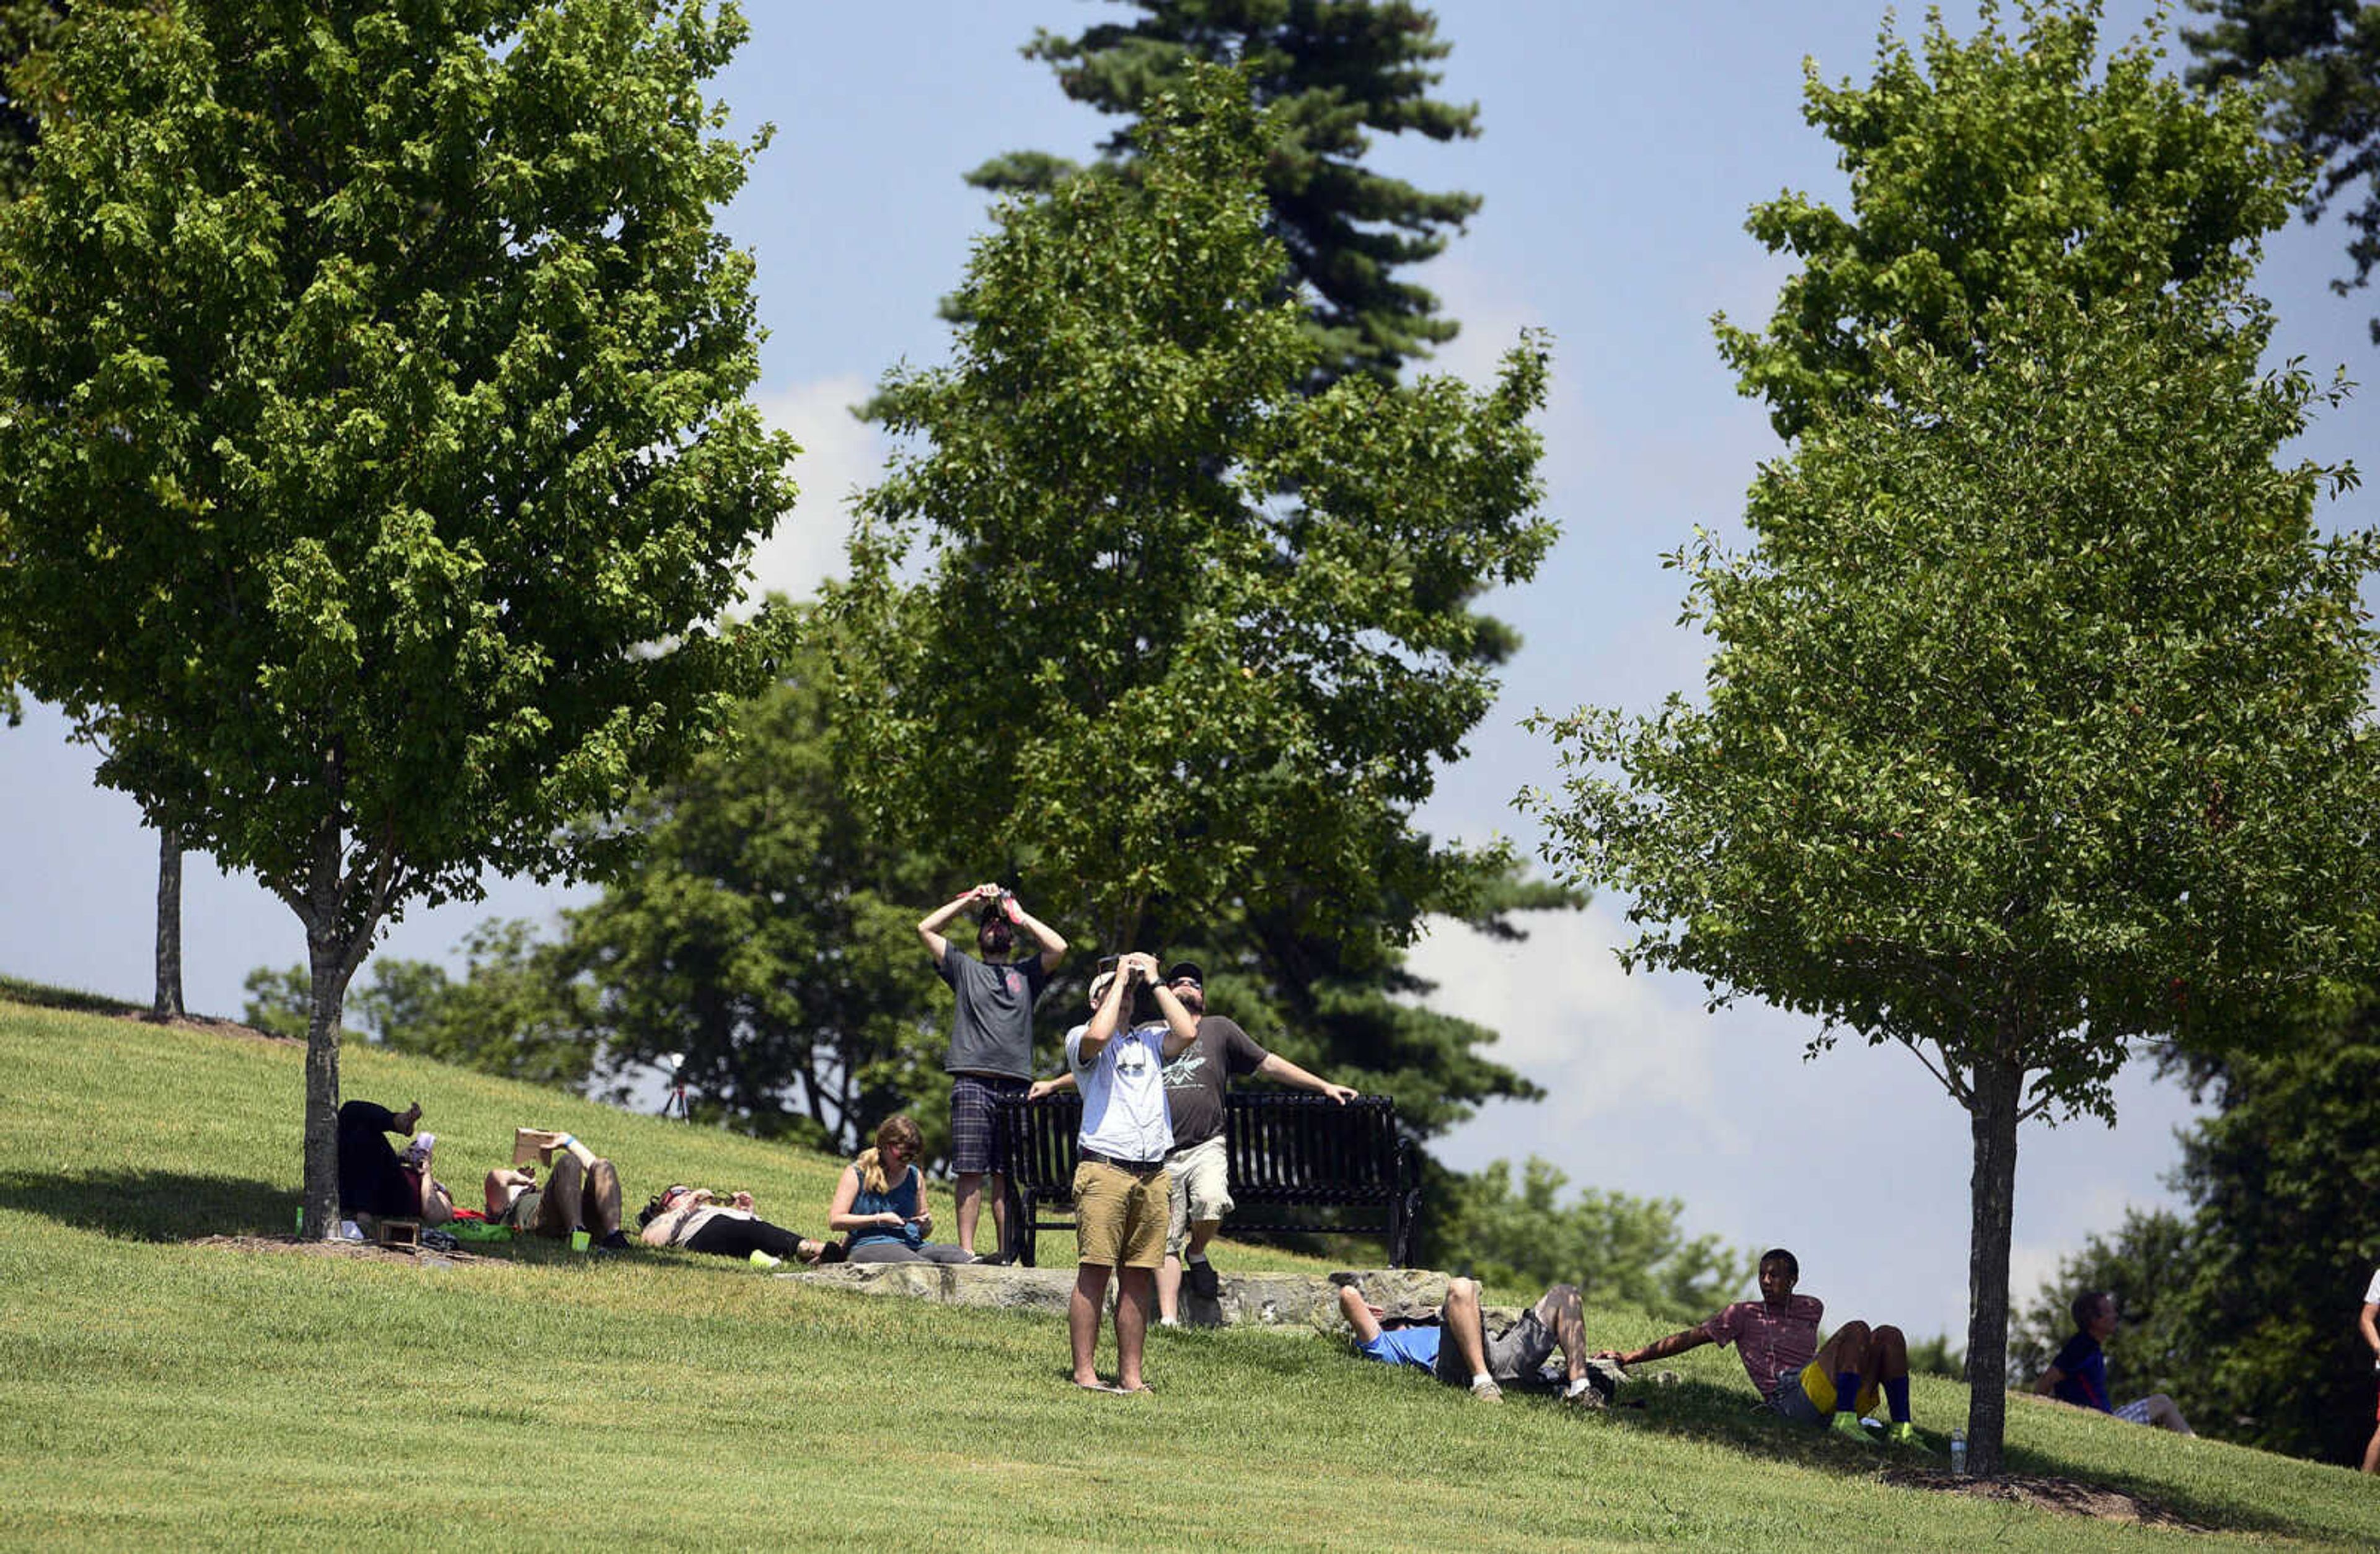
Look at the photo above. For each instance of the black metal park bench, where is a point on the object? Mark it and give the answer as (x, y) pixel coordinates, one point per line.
(1284, 1151)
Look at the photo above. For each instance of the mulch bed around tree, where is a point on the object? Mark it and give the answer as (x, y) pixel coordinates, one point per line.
(2069, 1497)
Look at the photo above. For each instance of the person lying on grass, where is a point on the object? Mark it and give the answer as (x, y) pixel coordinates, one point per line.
(695, 1219)
(581, 1191)
(2078, 1375)
(1777, 1338)
(1454, 1346)
(374, 1184)
(879, 1203)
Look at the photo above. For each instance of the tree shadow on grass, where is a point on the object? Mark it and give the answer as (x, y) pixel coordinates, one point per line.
(153, 1205)
(1729, 1416)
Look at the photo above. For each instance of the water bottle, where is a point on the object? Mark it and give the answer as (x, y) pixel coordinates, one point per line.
(1958, 1453)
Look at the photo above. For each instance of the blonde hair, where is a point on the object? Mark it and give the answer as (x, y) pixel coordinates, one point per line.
(892, 1130)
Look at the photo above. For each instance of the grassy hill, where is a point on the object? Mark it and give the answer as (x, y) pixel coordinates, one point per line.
(157, 1392)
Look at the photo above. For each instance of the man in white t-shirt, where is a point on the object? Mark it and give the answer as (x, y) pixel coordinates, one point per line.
(2372, 1336)
(1120, 1192)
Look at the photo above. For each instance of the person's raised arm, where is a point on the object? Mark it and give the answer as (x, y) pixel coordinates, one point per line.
(1659, 1349)
(931, 926)
(1105, 1017)
(497, 1190)
(568, 1142)
(1053, 944)
(1275, 1066)
(1180, 1026)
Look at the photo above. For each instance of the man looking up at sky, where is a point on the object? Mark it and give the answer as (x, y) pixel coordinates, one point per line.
(1120, 1187)
(991, 1039)
(1198, 1167)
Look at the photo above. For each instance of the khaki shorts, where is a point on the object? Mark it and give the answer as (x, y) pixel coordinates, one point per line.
(1119, 1217)
(1202, 1190)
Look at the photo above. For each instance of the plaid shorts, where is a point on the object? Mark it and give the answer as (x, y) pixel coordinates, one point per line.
(974, 1127)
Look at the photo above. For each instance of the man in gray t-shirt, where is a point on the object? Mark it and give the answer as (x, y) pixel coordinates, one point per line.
(991, 1039)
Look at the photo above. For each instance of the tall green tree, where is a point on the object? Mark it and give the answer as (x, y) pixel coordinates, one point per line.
(1993, 166)
(1127, 671)
(1335, 73)
(2035, 724)
(2320, 61)
(380, 462)
(27, 28)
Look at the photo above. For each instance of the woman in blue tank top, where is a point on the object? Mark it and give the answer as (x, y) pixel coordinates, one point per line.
(880, 1201)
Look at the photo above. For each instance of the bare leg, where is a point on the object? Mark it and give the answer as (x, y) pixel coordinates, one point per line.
(2166, 1414)
(1083, 1319)
(2372, 1453)
(1889, 1352)
(557, 1212)
(1134, 1298)
(1169, 1290)
(1847, 1350)
(602, 1198)
(999, 1218)
(968, 1193)
(1566, 1319)
(1464, 1325)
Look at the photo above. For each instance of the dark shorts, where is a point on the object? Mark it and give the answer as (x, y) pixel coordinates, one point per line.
(1517, 1353)
(974, 1126)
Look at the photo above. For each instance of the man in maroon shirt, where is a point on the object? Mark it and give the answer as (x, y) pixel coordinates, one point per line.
(1777, 1338)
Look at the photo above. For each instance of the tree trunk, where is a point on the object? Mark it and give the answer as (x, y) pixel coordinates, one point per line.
(325, 1010)
(168, 1004)
(1996, 1091)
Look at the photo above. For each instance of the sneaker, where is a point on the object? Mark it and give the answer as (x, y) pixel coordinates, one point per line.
(614, 1241)
(1900, 1432)
(763, 1259)
(1849, 1424)
(1200, 1274)
(1487, 1391)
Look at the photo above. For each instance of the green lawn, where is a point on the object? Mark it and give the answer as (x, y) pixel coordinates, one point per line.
(156, 1393)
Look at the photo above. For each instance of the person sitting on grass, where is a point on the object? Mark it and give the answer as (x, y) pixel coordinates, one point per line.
(581, 1191)
(2078, 1375)
(374, 1184)
(1777, 1338)
(695, 1219)
(879, 1203)
(1454, 1344)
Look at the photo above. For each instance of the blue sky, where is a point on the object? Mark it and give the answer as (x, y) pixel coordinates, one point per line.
(1622, 147)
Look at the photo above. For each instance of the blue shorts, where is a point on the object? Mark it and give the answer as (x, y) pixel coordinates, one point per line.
(974, 1125)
